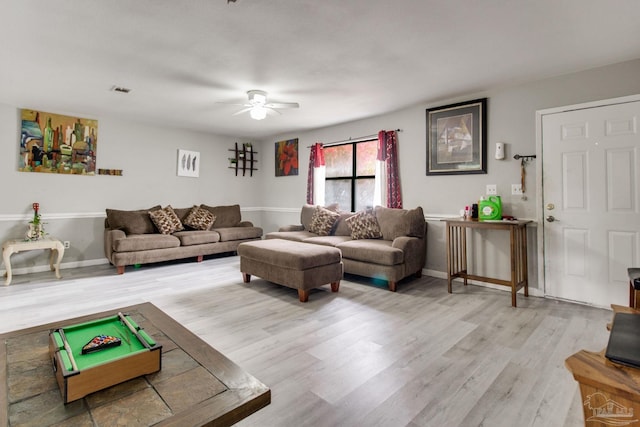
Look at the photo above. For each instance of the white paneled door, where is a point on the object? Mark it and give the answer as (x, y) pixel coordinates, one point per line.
(591, 202)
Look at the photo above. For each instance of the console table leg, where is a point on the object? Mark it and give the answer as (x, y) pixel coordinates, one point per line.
(59, 251)
(6, 256)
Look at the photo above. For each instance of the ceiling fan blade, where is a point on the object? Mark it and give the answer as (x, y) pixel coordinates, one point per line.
(272, 111)
(233, 103)
(244, 110)
(282, 105)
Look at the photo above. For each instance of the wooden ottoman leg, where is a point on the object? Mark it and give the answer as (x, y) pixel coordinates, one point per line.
(246, 277)
(392, 286)
(303, 295)
(335, 286)
(120, 269)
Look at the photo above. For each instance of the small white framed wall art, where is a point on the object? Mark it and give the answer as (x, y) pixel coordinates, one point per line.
(188, 163)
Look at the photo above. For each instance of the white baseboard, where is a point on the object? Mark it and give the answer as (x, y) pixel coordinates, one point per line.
(63, 266)
(88, 263)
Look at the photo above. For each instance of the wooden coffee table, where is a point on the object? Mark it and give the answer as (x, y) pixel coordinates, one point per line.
(197, 385)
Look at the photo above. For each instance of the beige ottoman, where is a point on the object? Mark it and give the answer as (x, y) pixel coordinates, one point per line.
(300, 266)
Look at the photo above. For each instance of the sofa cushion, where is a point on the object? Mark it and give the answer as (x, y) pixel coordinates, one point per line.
(296, 236)
(374, 251)
(364, 225)
(323, 221)
(197, 237)
(166, 220)
(307, 211)
(342, 228)
(199, 218)
(182, 213)
(327, 240)
(226, 216)
(400, 222)
(228, 234)
(145, 242)
(131, 222)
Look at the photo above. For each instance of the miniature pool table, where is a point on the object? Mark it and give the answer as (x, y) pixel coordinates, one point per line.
(79, 373)
(197, 385)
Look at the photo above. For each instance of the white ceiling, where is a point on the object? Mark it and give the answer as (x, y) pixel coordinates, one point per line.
(342, 60)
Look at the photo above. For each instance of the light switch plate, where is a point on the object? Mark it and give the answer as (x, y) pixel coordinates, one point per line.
(492, 189)
(516, 189)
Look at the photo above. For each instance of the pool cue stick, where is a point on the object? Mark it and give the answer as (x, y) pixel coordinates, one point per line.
(133, 330)
(67, 347)
(126, 339)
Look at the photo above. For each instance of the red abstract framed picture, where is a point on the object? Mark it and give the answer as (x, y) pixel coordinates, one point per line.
(287, 157)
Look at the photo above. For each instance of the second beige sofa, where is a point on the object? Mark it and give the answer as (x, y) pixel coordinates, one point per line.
(399, 252)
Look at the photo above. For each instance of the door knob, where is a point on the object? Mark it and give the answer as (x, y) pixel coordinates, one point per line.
(551, 218)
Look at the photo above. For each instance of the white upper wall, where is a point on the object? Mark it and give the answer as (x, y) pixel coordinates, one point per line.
(146, 154)
(511, 119)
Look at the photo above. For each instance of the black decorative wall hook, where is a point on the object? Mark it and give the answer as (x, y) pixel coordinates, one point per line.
(518, 157)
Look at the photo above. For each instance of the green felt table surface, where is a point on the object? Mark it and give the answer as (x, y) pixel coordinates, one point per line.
(79, 335)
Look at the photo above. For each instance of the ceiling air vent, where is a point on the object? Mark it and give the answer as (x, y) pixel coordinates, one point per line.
(120, 89)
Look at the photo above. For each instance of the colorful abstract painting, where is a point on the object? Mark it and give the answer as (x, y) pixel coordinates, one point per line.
(287, 157)
(53, 143)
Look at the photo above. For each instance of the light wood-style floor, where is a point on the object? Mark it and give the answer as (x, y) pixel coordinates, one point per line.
(361, 357)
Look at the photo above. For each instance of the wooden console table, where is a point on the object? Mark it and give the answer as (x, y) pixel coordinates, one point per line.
(11, 247)
(457, 253)
(610, 392)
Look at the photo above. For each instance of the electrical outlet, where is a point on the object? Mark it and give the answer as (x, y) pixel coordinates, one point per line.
(492, 189)
(67, 244)
(516, 189)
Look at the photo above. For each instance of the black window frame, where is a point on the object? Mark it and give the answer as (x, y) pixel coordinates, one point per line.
(354, 177)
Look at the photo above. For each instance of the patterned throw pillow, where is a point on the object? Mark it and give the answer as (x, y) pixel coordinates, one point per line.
(166, 220)
(199, 218)
(364, 225)
(323, 221)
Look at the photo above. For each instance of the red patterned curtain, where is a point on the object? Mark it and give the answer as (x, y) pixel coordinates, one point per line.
(316, 161)
(388, 152)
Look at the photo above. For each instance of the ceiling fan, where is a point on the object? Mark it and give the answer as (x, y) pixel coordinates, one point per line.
(257, 105)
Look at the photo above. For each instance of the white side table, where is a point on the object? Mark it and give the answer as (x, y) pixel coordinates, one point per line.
(11, 247)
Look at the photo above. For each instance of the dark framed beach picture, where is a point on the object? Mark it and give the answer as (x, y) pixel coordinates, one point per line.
(457, 138)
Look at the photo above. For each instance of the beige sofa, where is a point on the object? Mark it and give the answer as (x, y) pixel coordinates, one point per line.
(130, 237)
(399, 253)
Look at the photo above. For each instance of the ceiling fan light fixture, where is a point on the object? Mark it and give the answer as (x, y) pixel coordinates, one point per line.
(257, 97)
(258, 112)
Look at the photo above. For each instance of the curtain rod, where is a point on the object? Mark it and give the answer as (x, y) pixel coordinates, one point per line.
(352, 139)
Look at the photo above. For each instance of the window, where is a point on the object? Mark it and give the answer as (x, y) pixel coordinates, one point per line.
(350, 174)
